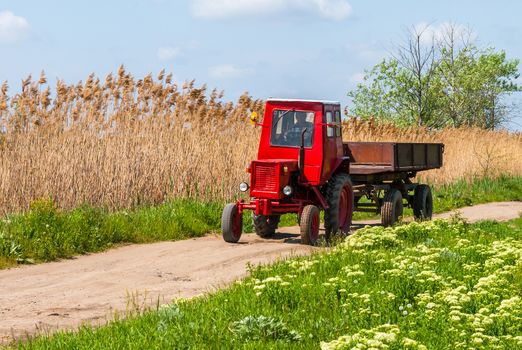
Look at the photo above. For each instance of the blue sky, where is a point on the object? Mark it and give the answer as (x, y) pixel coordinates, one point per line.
(270, 48)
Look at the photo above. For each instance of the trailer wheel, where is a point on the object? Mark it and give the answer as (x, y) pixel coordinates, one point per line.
(231, 223)
(391, 207)
(265, 226)
(339, 195)
(309, 225)
(422, 202)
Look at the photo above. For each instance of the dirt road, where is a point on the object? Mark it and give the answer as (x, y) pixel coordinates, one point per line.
(89, 288)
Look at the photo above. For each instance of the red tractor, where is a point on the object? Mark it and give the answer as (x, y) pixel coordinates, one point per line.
(304, 167)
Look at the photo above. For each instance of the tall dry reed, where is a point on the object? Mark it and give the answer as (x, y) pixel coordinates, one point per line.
(126, 141)
(468, 152)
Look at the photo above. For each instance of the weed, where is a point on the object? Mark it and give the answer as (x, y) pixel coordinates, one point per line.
(262, 328)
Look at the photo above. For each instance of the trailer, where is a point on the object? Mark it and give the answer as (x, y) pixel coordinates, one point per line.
(304, 167)
(381, 170)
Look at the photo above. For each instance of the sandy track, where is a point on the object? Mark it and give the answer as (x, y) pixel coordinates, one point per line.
(89, 288)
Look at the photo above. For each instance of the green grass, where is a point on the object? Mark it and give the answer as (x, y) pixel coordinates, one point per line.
(480, 190)
(430, 285)
(46, 233)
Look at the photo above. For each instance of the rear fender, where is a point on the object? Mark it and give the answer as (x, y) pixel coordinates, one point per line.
(341, 165)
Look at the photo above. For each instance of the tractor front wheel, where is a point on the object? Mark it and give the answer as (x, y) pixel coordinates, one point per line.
(309, 225)
(231, 223)
(265, 226)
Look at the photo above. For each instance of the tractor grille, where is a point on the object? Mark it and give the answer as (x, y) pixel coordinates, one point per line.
(265, 178)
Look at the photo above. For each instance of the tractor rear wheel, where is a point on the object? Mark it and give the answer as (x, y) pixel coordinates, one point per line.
(391, 208)
(231, 223)
(422, 202)
(309, 225)
(340, 199)
(265, 226)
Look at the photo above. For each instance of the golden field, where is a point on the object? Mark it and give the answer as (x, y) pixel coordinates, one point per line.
(124, 141)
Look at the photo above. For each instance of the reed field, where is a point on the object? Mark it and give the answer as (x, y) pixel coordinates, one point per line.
(121, 141)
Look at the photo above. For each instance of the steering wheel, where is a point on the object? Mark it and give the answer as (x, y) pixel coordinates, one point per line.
(292, 136)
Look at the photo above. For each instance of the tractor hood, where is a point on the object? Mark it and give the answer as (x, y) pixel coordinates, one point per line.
(269, 176)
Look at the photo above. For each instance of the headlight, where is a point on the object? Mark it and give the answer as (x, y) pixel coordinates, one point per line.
(243, 187)
(287, 190)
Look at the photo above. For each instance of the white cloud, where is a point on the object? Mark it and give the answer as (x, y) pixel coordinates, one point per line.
(168, 53)
(220, 9)
(335, 9)
(227, 71)
(12, 28)
(436, 32)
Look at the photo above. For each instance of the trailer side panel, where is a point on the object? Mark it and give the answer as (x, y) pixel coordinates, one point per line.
(390, 157)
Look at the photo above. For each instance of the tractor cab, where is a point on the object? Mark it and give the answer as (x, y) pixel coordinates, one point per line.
(306, 133)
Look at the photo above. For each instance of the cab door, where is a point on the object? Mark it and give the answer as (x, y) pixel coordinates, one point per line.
(333, 143)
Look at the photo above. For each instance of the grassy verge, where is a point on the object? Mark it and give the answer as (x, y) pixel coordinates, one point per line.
(430, 285)
(480, 190)
(46, 233)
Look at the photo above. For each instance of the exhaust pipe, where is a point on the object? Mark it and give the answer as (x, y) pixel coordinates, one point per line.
(300, 159)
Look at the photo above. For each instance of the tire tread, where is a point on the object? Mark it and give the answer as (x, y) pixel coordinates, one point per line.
(263, 228)
(388, 214)
(306, 224)
(420, 198)
(227, 224)
(333, 192)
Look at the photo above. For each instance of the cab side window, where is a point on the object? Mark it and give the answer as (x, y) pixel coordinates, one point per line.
(330, 130)
(338, 122)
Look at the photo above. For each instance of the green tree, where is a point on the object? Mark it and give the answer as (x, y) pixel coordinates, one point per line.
(439, 81)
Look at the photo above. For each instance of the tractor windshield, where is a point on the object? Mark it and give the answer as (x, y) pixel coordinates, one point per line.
(287, 126)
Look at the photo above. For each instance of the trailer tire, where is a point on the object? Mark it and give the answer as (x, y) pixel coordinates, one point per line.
(422, 202)
(231, 223)
(391, 208)
(340, 199)
(265, 226)
(309, 225)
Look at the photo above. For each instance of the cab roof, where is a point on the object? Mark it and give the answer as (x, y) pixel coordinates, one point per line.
(326, 102)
